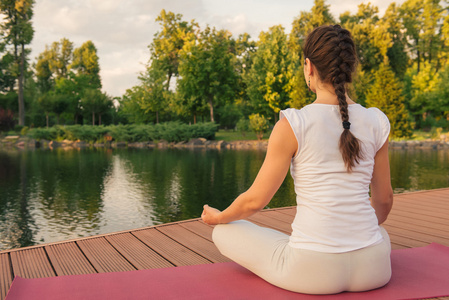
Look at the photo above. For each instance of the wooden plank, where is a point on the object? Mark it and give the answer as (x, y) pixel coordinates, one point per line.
(5, 275)
(407, 242)
(200, 228)
(291, 211)
(427, 204)
(271, 223)
(417, 235)
(275, 214)
(423, 198)
(137, 253)
(67, 259)
(194, 242)
(423, 223)
(171, 250)
(103, 256)
(31, 263)
(418, 228)
(397, 246)
(427, 207)
(418, 216)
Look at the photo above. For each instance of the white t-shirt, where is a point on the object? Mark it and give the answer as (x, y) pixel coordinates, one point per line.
(333, 209)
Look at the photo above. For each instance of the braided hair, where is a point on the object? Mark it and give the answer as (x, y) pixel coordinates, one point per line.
(332, 51)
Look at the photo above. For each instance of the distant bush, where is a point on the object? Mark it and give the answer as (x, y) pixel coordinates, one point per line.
(258, 124)
(243, 126)
(171, 132)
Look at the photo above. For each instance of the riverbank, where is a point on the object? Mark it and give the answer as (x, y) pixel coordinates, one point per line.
(27, 143)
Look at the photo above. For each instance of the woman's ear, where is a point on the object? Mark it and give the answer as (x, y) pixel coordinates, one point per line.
(308, 69)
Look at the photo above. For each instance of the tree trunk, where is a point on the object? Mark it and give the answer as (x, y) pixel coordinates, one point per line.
(211, 106)
(93, 119)
(194, 118)
(99, 119)
(167, 87)
(20, 92)
(157, 117)
(57, 119)
(46, 117)
(418, 60)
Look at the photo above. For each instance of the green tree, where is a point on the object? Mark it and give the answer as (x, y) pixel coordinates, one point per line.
(85, 63)
(397, 55)
(259, 124)
(154, 94)
(131, 106)
(371, 37)
(18, 32)
(95, 102)
(270, 78)
(386, 94)
(424, 85)
(206, 69)
(307, 21)
(53, 63)
(168, 42)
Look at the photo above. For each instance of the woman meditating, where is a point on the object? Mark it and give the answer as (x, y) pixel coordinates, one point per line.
(336, 150)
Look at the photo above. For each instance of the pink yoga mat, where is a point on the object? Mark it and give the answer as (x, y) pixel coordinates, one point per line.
(417, 273)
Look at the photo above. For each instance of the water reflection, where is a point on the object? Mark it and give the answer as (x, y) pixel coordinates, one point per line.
(48, 196)
(413, 170)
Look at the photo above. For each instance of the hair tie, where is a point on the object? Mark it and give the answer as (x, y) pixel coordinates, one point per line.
(346, 125)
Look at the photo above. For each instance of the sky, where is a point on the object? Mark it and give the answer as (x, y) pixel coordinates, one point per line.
(122, 30)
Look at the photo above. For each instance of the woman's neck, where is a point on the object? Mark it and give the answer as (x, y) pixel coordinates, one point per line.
(324, 96)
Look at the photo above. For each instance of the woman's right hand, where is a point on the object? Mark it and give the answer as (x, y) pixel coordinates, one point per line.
(210, 215)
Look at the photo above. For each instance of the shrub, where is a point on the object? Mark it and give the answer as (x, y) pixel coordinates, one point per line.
(171, 132)
(243, 126)
(258, 124)
(6, 119)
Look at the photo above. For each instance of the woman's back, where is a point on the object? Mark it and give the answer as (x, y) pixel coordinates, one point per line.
(334, 212)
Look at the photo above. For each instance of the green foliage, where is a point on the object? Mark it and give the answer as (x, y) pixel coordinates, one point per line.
(302, 25)
(17, 31)
(171, 132)
(386, 94)
(259, 124)
(24, 130)
(243, 126)
(206, 69)
(270, 78)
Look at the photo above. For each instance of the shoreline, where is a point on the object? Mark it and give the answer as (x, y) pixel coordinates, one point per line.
(27, 143)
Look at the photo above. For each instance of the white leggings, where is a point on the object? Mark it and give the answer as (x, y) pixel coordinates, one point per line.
(266, 253)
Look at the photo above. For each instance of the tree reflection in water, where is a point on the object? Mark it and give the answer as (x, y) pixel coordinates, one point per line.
(54, 195)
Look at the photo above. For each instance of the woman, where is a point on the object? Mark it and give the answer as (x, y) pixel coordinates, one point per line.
(336, 150)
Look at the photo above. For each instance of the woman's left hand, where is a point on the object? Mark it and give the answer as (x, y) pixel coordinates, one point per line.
(210, 215)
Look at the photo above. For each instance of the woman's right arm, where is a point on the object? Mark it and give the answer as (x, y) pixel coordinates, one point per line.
(381, 191)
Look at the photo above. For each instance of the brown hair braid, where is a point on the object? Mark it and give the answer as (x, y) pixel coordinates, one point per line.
(332, 51)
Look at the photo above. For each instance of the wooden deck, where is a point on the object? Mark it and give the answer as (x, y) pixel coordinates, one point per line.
(417, 219)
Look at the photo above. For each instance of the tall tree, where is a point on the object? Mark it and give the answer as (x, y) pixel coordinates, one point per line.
(168, 42)
(397, 54)
(307, 21)
(53, 63)
(85, 63)
(18, 33)
(153, 89)
(386, 94)
(95, 102)
(207, 71)
(270, 79)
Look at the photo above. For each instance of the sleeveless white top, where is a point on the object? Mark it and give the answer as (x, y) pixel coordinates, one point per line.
(333, 209)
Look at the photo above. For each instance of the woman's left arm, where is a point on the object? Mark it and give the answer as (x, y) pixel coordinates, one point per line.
(282, 146)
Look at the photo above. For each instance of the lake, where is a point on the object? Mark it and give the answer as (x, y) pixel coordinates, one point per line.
(54, 195)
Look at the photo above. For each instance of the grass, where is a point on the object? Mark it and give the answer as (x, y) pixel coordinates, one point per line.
(419, 135)
(231, 135)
